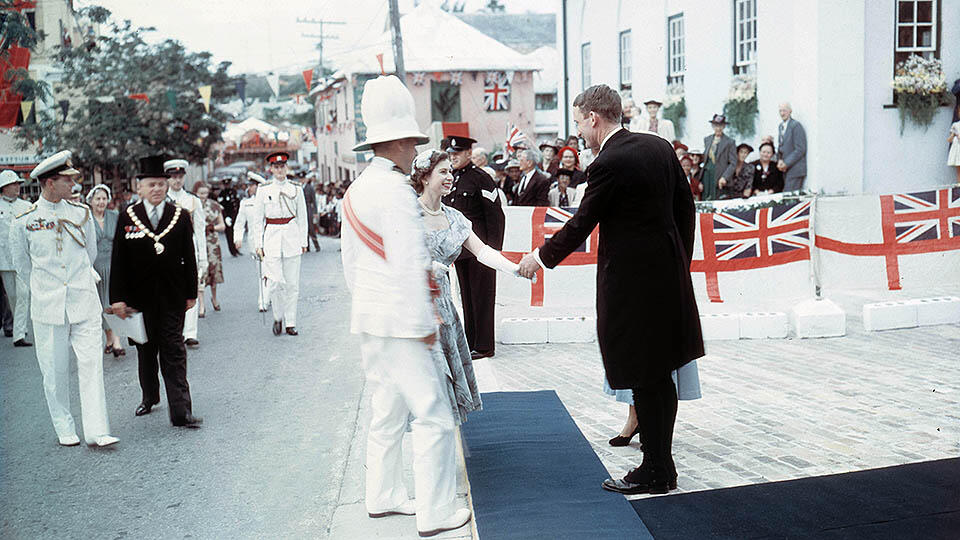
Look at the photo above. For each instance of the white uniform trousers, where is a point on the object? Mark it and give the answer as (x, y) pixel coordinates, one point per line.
(18, 294)
(283, 287)
(262, 299)
(403, 379)
(53, 344)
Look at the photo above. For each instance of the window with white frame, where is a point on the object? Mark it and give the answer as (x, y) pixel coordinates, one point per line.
(676, 50)
(745, 36)
(585, 65)
(626, 60)
(918, 29)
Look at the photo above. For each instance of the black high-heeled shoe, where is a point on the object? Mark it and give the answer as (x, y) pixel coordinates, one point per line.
(620, 440)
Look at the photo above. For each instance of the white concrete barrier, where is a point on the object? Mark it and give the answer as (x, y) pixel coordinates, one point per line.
(523, 330)
(571, 329)
(940, 310)
(764, 325)
(719, 326)
(889, 315)
(818, 318)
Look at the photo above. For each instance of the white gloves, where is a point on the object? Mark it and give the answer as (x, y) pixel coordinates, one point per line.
(493, 259)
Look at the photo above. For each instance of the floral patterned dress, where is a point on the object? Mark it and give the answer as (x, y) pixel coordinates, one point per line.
(452, 357)
(214, 275)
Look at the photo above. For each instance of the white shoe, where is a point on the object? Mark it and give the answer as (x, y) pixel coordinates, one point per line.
(459, 518)
(69, 440)
(106, 440)
(406, 508)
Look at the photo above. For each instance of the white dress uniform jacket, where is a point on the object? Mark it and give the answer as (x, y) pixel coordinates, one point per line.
(280, 199)
(192, 204)
(18, 290)
(246, 217)
(390, 296)
(59, 271)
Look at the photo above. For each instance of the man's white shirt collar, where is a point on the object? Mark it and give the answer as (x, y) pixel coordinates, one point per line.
(149, 208)
(607, 138)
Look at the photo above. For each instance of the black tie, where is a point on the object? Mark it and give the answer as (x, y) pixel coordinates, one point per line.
(563, 199)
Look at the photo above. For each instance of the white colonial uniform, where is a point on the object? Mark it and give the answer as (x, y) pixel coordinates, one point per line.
(246, 217)
(18, 290)
(191, 203)
(392, 310)
(54, 246)
(280, 230)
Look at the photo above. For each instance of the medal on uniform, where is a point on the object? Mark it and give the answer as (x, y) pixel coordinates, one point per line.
(157, 246)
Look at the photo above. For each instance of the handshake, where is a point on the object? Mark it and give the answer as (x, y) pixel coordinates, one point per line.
(529, 266)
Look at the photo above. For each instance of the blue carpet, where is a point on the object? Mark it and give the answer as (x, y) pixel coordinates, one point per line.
(533, 474)
(914, 501)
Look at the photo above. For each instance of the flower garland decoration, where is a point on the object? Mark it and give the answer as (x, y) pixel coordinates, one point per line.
(920, 87)
(740, 107)
(675, 107)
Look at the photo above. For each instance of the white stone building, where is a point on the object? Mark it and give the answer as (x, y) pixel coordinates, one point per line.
(832, 60)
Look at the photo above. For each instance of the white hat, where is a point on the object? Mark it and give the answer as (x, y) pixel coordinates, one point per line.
(388, 112)
(58, 163)
(173, 164)
(8, 177)
(256, 178)
(100, 187)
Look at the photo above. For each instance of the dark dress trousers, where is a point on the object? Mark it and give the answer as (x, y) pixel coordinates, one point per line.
(230, 202)
(158, 286)
(475, 195)
(535, 193)
(647, 319)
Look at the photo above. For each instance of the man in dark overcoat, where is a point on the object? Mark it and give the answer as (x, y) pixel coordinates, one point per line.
(154, 271)
(230, 202)
(647, 319)
(475, 195)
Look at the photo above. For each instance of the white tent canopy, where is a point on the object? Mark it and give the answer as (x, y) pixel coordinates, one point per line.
(235, 131)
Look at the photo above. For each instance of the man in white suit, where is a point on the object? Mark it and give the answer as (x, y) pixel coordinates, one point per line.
(280, 239)
(177, 169)
(652, 122)
(246, 216)
(18, 290)
(385, 263)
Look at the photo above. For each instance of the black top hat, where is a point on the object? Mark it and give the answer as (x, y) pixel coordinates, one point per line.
(458, 143)
(152, 167)
(719, 119)
(278, 157)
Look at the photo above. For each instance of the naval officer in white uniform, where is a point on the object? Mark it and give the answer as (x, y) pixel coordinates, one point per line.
(18, 290)
(177, 169)
(280, 238)
(54, 244)
(246, 215)
(385, 263)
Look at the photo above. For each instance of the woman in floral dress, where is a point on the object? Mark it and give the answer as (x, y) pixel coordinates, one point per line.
(215, 225)
(448, 231)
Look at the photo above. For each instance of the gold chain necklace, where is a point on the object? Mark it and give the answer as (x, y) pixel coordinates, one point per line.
(157, 246)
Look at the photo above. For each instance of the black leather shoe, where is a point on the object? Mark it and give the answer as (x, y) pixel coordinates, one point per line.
(291, 331)
(22, 343)
(144, 408)
(620, 440)
(190, 342)
(277, 328)
(637, 481)
(189, 421)
(477, 354)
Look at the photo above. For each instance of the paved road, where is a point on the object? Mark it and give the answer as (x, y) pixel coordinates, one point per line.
(279, 414)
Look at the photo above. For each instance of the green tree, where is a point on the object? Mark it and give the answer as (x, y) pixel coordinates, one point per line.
(108, 130)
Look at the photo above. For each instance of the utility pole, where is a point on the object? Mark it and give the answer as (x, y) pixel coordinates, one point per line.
(397, 41)
(320, 37)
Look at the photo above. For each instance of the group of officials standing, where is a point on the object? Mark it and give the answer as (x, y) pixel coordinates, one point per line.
(157, 264)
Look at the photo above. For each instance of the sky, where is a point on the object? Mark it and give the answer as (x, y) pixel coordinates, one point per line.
(259, 36)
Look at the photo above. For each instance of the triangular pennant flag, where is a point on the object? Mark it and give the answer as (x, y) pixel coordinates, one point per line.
(242, 90)
(438, 76)
(308, 78)
(273, 79)
(297, 98)
(25, 107)
(141, 97)
(205, 95)
(65, 107)
(172, 99)
(380, 60)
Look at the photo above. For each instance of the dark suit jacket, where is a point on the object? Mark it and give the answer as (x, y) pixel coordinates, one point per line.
(793, 149)
(535, 193)
(647, 318)
(147, 281)
(471, 195)
(773, 179)
(726, 156)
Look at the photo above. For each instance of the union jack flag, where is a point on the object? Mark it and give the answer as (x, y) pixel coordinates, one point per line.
(515, 138)
(554, 219)
(496, 94)
(750, 239)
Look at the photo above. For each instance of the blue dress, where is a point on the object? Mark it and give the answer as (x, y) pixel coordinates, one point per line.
(686, 379)
(452, 357)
